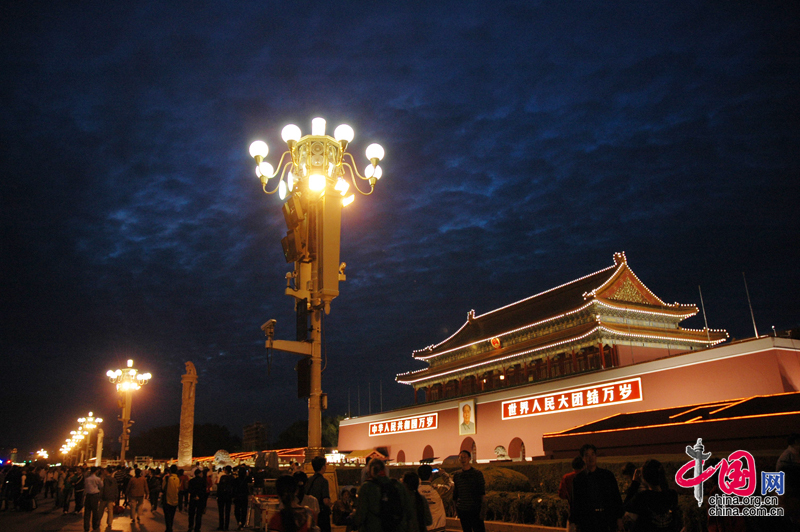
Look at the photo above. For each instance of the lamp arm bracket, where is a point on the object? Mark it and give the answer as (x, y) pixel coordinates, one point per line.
(281, 169)
(353, 174)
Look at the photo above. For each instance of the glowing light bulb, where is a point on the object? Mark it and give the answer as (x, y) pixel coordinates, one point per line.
(342, 186)
(290, 132)
(344, 132)
(318, 126)
(373, 171)
(266, 169)
(259, 148)
(282, 189)
(375, 151)
(316, 182)
(348, 200)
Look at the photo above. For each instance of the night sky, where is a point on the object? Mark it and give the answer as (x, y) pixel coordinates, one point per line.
(526, 142)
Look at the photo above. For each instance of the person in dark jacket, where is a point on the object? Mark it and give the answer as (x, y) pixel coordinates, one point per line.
(655, 508)
(597, 503)
(469, 492)
(225, 497)
(197, 500)
(78, 483)
(109, 496)
(154, 485)
(241, 496)
(318, 488)
(422, 513)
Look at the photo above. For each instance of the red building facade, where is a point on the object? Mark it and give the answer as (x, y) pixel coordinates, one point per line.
(597, 346)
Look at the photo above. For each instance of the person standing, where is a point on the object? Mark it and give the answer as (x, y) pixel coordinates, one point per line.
(422, 518)
(468, 494)
(224, 497)
(170, 486)
(78, 483)
(655, 508)
(374, 515)
(135, 493)
(183, 492)
(304, 499)
(434, 499)
(565, 490)
(597, 504)
(109, 497)
(68, 487)
(61, 479)
(93, 486)
(122, 477)
(291, 516)
(50, 483)
(154, 485)
(197, 500)
(318, 488)
(241, 496)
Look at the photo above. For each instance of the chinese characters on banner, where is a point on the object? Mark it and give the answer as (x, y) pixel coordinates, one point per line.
(610, 393)
(406, 424)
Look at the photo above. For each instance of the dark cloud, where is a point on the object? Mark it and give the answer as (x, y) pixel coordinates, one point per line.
(526, 142)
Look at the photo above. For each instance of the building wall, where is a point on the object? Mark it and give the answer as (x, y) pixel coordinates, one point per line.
(757, 367)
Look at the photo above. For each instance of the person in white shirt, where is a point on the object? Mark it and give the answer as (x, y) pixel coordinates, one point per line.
(434, 499)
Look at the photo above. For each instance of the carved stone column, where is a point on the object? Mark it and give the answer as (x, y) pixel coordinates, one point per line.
(189, 381)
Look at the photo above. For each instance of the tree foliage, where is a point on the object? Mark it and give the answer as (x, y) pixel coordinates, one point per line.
(162, 442)
(296, 434)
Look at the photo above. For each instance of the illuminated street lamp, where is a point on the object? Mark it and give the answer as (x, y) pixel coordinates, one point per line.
(315, 182)
(42, 454)
(87, 425)
(127, 381)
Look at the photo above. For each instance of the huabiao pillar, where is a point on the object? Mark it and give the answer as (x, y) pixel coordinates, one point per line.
(189, 381)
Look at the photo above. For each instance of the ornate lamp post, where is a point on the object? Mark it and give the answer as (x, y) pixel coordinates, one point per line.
(314, 182)
(127, 381)
(87, 425)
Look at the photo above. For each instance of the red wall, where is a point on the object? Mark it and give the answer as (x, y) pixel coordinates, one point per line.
(725, 372)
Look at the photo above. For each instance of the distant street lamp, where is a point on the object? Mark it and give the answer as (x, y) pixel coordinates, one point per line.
(88, 424)
(314, 182)
(42, 454)
(127, 381)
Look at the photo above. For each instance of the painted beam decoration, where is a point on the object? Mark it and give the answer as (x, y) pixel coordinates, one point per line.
(405, 424)
(609, 393)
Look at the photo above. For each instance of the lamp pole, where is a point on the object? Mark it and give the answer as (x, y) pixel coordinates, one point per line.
(127, 381)
(314, 183)
(87, 425)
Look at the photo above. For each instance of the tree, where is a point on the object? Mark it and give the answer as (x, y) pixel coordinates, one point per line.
(296, 434)
(162, 442)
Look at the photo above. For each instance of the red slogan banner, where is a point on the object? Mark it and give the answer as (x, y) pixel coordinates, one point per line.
(406, 424)
(610, 393)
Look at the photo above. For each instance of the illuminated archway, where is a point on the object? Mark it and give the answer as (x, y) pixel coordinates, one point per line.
(427, 452)
(401, 457)
(516, 449)
(468, 444)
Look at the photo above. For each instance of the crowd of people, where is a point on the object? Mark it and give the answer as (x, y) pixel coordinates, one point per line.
(103, 494)
(380, 504)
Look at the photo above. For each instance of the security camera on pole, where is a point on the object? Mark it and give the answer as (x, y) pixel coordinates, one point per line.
(314, 183)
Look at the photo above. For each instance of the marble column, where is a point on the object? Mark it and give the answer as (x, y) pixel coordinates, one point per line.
(98, 461)
(189, 381)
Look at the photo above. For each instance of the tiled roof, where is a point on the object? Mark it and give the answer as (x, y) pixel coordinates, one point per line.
(541, 306)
